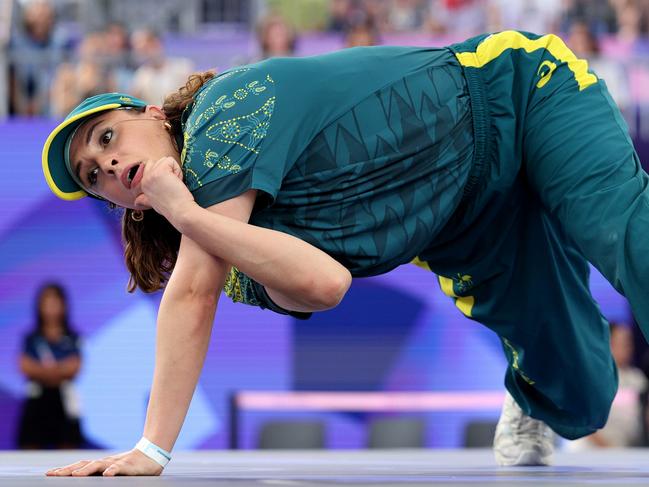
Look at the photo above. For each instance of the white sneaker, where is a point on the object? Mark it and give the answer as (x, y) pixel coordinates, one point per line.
(521, 440)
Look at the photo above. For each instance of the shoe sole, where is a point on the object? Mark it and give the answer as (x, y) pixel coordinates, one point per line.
(528, 458)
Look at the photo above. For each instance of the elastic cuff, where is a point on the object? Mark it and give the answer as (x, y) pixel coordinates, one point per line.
(267, 302)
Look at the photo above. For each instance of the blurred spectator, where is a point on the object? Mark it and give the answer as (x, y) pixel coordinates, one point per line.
(630, 21)
(362, 34)
(624, 425)
(583, 42)
(629, 40)
(91, 75)
(598, 15)
(538, 16)
(158, 75)
(117, 41)
(118, 56)
(36, 47)
(339, 11)
(406, 15)
(50, 360)
(276, 37)
(6, 12)
(347, 14)
(376, 12)
(458, 18)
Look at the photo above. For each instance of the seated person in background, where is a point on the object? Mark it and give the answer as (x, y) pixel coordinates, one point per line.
(37, 46)
(157, 74)
(624, 425)
(88, 76)
(50, 360)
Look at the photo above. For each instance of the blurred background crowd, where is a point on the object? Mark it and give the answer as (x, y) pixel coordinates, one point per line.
(55, 53)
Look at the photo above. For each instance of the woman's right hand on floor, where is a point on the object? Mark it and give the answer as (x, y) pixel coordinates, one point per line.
(133, 462)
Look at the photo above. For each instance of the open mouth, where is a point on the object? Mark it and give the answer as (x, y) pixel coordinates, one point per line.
(131, 174)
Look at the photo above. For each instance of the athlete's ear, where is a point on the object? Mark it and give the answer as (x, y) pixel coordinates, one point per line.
(155, 112)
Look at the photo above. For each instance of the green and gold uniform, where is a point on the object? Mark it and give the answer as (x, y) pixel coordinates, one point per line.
(501, 164)
(363, 153)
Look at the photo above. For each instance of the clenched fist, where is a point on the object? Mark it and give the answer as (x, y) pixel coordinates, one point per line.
(163, 188)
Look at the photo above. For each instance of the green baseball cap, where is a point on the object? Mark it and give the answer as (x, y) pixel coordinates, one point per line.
(56, 163)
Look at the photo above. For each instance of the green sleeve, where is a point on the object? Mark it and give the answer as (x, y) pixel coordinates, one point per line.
(226, 133)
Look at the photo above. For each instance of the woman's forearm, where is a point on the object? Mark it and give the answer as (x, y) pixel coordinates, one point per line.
(274, 259)
(69, 367)
(34, 370)
(183, 334)
(184, 327)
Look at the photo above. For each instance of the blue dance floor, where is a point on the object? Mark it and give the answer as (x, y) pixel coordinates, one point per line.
(334, 468)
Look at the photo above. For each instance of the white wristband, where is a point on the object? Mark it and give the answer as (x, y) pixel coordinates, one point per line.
(153, 451)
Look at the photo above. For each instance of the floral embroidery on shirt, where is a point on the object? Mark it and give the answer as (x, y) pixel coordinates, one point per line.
(224, 163)
(191, 178)
(208, 120)
(246, 130)
(230, 130)
(210, 158)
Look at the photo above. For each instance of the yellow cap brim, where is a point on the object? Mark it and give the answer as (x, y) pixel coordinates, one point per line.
(53, 158)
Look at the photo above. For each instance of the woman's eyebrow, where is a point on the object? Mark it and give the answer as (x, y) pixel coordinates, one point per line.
(89, 132)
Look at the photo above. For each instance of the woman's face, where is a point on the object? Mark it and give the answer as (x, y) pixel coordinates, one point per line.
(52, 307)
(109, 151)
(581, 41)
(278, 39)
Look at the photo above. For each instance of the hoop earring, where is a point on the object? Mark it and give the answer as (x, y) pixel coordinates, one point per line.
(137, 215)
(167, 125)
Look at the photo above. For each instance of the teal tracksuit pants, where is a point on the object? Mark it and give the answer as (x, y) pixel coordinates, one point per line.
(556, 184)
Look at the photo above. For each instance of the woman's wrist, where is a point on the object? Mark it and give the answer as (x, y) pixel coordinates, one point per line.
(159, 455)
(182, 215)
(160, 437)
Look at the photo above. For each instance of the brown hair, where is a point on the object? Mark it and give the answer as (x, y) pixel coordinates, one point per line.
(151, 245)
(59, 291)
